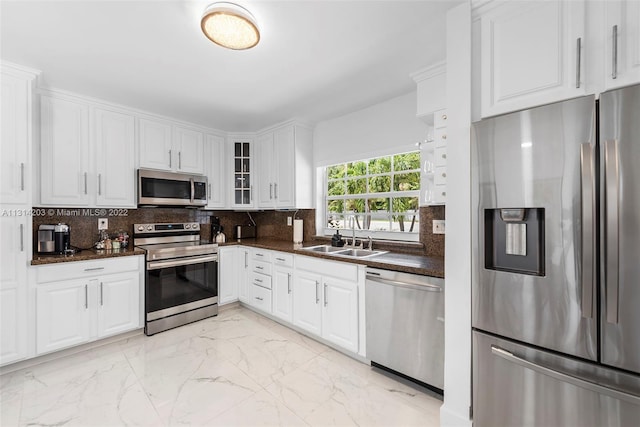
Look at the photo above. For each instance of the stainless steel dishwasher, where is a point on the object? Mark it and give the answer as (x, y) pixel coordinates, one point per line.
(405, 324)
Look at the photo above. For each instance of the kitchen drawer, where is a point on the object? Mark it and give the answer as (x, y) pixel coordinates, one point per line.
(281, 258)
(440, 137)
(261, 267)
(260, 280)
(261, 255)
(80, 269)
(440, 156)
(341, 270)
(440, 175)
(440, 119)
(260, 297)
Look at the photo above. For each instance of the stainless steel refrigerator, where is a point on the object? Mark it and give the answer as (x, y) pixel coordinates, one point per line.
(556, 264)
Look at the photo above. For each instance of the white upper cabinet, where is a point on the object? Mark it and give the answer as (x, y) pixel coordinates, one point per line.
(214, 156)
(242, 159)
(622, 43)
(15, 161)
(531, 54)
(64, 178)
(114, 135)
(285, 165)
(189, 150)
(171, 148)
(87, 154)
(155, 145)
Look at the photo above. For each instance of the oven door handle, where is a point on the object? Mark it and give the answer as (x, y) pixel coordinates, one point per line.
(156, 265)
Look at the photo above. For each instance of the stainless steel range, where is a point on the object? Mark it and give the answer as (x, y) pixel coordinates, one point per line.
(181, 284)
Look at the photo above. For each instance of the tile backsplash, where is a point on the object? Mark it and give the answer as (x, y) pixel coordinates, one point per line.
(83, 223)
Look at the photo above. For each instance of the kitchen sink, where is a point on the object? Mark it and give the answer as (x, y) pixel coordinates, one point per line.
(344, 252)
(360, 253)
(323, 249)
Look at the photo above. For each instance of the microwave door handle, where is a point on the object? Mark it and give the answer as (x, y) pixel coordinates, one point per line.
(193, 190)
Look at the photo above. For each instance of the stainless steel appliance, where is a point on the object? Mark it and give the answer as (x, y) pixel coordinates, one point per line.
(555, 279)
(62, 238)
(46, 241)
(405, 324)
(181, 283)
(157, 188)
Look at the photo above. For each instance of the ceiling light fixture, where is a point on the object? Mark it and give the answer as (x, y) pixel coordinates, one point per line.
(230, 26)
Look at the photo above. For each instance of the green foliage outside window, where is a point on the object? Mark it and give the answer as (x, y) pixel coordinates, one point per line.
(387, 190)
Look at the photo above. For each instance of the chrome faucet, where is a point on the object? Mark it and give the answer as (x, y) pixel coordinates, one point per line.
(370, 243)
(353, 232)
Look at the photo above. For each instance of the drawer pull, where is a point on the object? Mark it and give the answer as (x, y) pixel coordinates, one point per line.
(259, 280)
(94, 269)
(259, 268)
(260, 298)
(280, 259)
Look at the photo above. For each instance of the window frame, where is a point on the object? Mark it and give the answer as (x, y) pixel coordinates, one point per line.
(402, 236)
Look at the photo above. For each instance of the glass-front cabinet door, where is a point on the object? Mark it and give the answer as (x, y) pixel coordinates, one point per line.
(242, 194)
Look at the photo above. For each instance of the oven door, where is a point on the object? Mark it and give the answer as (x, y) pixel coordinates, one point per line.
(180, 285)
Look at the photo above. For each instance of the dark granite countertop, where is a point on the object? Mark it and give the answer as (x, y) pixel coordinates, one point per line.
(416, 264)
(84, 255)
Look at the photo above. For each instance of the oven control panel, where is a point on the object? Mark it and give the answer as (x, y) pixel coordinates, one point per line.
(167, 228)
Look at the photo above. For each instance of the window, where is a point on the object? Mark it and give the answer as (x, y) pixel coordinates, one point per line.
(377, 197)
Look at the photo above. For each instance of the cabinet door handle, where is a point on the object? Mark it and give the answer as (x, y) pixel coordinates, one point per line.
(251, 193)
(85, 183)
(246, 264)
(288, 283)
(170, 159)
(209, 191)
(325, 294)
(270, 191)
(578, 60)
(101, 295)
(99, 184)
(275, 190)
(21, 176)
(86, 297)
(614, 53)
(179, 159)
(317, 289)
(21, 237)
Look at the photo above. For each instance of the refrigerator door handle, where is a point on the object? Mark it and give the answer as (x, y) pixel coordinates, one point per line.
(561, 376)
(588, 213)
(611, 188)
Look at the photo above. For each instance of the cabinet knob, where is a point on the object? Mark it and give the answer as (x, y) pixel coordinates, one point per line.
(444, 136)
(444, 117)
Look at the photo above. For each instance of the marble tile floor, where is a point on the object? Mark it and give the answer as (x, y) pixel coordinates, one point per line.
(236, 369)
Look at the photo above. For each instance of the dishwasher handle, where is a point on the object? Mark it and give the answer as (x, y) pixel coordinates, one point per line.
(421, 287)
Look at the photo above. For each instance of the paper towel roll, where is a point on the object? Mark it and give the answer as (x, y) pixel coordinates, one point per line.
(297, 231)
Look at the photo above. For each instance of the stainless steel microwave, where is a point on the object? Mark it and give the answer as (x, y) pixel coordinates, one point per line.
(157, 188)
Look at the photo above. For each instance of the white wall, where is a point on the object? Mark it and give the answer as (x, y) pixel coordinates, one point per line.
(381, 129)
(457, 329)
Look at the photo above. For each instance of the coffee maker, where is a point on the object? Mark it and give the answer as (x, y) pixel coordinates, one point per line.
(62, 238)
(46, 241)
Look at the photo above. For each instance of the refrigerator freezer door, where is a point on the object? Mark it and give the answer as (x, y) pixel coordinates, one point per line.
(532, 159)
(620, 227)
(516, 385)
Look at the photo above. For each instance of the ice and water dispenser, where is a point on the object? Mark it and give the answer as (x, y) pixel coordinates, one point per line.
(514, 240)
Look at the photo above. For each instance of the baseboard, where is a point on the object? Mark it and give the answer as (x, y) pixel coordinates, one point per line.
(449, 418)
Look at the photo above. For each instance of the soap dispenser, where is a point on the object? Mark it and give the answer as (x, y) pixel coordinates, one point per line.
(336, 240)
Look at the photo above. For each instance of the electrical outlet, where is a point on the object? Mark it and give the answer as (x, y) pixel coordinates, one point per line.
(289, 220)
(103, 224)
(438, 226)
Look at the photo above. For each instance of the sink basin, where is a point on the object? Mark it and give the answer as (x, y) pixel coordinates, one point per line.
(325, 249)
(345, 252)
(360, 253)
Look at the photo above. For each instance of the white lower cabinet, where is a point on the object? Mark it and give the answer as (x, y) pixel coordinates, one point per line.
(282, 286)
(307, 311)
(88, 300)
(325, 300)
(340, 312)
(228, 274)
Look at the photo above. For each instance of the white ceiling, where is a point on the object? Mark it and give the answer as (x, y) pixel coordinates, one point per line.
(315, 59)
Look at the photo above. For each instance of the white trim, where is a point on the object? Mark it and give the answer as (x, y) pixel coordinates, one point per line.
(431, 71)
